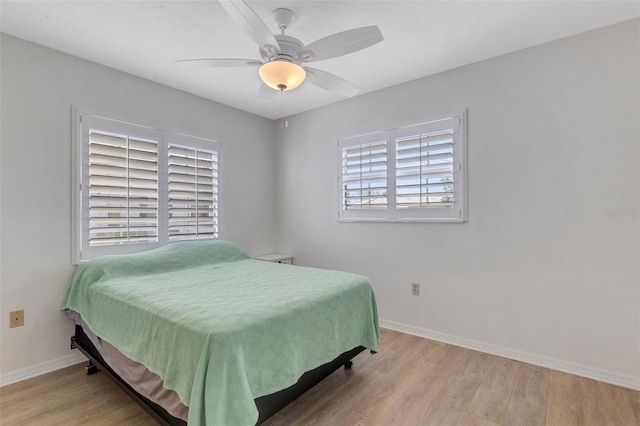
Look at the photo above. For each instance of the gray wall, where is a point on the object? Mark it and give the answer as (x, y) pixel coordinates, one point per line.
(541, 272)
(39, 87)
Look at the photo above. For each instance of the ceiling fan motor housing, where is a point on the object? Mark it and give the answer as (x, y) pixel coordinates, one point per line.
(289, 49)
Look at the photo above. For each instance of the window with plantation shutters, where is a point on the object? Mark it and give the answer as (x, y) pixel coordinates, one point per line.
(409, 173)
(193, 193)
(138, 187)
(123, 189)
(364, 176)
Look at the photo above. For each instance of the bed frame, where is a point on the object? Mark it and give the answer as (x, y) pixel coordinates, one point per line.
(267, 405)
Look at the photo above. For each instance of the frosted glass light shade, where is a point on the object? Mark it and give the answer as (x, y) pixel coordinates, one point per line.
(282, 75)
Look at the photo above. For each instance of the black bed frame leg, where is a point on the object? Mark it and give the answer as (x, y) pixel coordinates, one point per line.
(348, 365)
(91, 368)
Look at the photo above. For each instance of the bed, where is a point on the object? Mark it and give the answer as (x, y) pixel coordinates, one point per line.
(225, 334)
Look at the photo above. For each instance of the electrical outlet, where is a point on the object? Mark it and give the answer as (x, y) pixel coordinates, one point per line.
(16, 318)
(415, 289)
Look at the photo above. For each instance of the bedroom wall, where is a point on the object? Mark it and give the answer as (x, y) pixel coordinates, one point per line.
(39, 86)
(546, 269)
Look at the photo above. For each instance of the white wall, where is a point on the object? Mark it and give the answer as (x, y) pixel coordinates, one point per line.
(39, 86)
(540, 272)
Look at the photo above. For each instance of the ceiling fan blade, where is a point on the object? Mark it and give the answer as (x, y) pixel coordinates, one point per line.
(251, 23)
(330, 82)
(266, 94)
(220, 62)
(341, 43)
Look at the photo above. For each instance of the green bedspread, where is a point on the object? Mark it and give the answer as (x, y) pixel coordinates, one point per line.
(219, 328)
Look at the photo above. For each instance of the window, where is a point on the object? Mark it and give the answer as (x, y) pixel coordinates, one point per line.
(364, 173)
(122, 190)
(193, 193)
(410, 173)
(138, 187)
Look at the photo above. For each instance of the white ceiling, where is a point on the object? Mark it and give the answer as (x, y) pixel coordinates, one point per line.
(144, 38)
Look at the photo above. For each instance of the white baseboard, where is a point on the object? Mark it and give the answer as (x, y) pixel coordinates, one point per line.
(530, 358)
(75, 357)
(543, 361)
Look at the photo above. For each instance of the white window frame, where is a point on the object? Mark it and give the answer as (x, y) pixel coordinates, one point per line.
(82, 122)
(455, 214)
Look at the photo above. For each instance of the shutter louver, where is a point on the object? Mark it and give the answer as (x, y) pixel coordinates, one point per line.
(193, 193)
(123, 189)
(364, 176)
(424, 170)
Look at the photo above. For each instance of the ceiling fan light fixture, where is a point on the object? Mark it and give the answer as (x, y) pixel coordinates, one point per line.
(282, 75)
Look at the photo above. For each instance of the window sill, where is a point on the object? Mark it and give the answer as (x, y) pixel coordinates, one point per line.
(403, 220)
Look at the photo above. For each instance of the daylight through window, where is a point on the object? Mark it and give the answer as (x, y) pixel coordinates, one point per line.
(139, 187)
(409, 173)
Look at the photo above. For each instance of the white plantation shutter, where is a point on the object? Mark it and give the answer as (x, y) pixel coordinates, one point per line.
(123, 189)
(137, 187)
(424, 170)
(424, 165)
(422, 177)
(363, 175)
(193, 193)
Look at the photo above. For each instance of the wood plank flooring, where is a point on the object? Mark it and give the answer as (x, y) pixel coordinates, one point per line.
(69, 397)
(411, 381)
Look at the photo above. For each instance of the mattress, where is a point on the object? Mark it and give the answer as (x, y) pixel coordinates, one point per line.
(143, 381)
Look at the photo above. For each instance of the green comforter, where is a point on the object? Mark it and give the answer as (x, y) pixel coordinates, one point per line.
(219, 328)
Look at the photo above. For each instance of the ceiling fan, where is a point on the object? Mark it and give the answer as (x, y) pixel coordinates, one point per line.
(282, 55)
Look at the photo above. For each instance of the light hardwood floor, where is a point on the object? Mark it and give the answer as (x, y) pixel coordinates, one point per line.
(411, 381)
